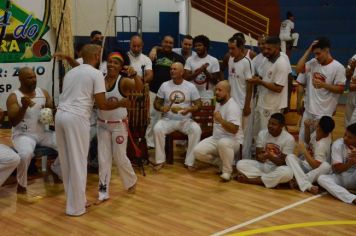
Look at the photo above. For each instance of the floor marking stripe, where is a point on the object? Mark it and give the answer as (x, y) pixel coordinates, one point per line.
(294, 226)
(267, 215)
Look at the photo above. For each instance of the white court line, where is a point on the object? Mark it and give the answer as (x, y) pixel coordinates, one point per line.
(267, 215)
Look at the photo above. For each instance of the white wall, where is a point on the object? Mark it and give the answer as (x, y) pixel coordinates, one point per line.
(92, 14)
(215, 30)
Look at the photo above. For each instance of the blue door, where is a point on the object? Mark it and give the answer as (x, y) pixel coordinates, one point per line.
(169, 25)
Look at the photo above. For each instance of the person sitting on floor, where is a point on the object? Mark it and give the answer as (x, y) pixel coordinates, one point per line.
(272, 147)
(227, 135)
(315, 158)
(176, 99)
(343, 160)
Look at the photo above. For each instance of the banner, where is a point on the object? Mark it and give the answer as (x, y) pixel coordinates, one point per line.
(28, 41)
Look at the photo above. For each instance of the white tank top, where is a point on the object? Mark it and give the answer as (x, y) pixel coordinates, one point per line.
(118, 113)
(30, 124)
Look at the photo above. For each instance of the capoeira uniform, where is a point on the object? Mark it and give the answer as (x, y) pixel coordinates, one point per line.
(140, 62)
(161, 73)
(320, 102)
(195, 62)
(73, 131)
(181, 95)
(337, 184)
(270, 102)
(8, 162)
(239, 72)
(286, 34)
(303, 172)
(350, 111)
(112, 143)
(222, 144)
(271, 174)
(29, 133)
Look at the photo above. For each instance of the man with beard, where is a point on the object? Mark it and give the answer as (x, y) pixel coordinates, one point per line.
(161, 73)
(324, 80)
(202, 69)
(272, 84)
(82, 86)
(140, 62)
(272, 147)
(23, 107)
(227, 135)
(176, 99)
(343, 160)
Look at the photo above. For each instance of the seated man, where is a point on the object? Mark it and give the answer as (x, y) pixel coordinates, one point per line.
(272, 147)
(343, 160)
(176, 99)
(227, 135)
(23, 107)
(8, 158)
(315, 158)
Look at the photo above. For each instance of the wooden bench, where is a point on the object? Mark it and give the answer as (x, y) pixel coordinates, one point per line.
(204, 117)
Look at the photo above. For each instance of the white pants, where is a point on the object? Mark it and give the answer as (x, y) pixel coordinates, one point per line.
(247, 125)
(73, 145)
(306, 116)
(304, 173)
(337, 185)
(287, 37)
(271, 175)
(154, 118)
(165, 126)
(25, 146)
(8, 162)
(261, 119)
(112, 144)
(350, 114)
(211, 147)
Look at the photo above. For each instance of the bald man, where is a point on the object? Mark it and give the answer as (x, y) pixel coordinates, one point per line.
(82, 86)
(23, 107)
(176, 100)
(140, 62)
(227, 135)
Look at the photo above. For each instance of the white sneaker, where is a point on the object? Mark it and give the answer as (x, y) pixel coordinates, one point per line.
(225, 176)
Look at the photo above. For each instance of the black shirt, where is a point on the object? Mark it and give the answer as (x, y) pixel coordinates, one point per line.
(161, 68)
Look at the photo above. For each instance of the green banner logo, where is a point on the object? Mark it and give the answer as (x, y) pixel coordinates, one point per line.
(23, 40)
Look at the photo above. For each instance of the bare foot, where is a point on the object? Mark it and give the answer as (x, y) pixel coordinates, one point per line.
(132, 189)
(314, 190)
(21, 190)
(98, 202)
(293, 184)
(87, 204)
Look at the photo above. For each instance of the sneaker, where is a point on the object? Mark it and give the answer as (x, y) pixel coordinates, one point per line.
(225, 176)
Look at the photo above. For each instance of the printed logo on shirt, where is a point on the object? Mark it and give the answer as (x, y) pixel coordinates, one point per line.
(112, 99)
(319, 76)
(164, 61)
(120, 139)
(177, 97)
(269, 75)
(273, 149)
(200, 79)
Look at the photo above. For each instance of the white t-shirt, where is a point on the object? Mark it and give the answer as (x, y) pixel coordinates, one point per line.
(239, 72)
(320, 150)
(103, 65)
(284, 143)
(80, 85)
(276, 73)
(178, 95)
(179, 52)
(286, 27)
(139, 61)
(340, 153)
(322, 102)
(257, 62)
(194, 62)
(230, 112)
